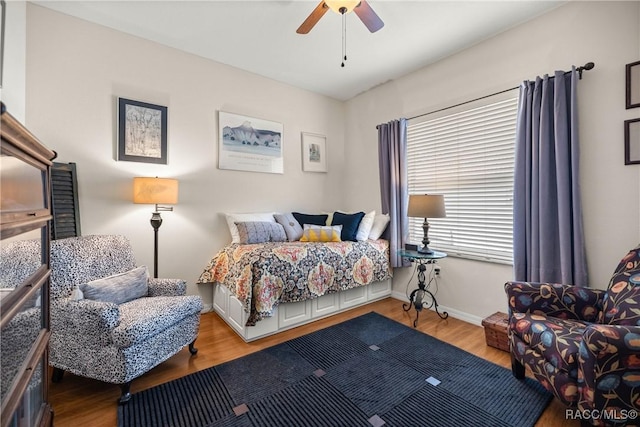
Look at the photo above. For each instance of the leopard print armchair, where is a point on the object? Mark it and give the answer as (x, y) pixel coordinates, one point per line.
(582, 344)
(109, 341)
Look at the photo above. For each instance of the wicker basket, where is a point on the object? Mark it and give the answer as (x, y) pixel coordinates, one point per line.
(495, 331)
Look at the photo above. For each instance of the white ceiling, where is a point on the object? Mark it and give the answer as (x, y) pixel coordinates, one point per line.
(260, 36)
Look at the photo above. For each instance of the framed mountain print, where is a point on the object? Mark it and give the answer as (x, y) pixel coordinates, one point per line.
(249, 144)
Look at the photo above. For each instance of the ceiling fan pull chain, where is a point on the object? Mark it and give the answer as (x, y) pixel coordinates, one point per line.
(344, 35)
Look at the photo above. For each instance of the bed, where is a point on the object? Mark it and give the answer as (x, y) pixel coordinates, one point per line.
(263, 288)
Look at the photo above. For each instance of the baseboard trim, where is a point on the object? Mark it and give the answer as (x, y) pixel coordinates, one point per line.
(460, 315)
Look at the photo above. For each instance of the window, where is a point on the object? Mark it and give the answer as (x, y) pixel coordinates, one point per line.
(468, 156)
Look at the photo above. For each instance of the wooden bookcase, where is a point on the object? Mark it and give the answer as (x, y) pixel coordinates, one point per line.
(25, 213)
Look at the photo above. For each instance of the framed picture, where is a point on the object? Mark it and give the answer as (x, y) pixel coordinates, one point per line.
(142, 132)
(249, 144)
(314, 152)
(632, 142)
(633, 85)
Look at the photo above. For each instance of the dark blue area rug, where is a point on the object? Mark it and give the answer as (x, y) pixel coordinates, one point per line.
(368, 371)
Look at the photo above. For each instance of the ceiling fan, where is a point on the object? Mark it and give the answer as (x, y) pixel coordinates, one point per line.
(361, 8)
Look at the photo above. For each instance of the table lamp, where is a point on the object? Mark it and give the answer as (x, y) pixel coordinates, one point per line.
(155, 191)
(426, 206)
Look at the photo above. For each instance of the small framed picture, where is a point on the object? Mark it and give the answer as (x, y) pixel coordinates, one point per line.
(142, 132)
(633, 85)
(314, 152)
(632, 142)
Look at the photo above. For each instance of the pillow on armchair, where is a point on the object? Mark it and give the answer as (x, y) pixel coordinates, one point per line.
(119, 288)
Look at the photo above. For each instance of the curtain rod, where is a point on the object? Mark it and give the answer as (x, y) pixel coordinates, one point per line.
(586, 67)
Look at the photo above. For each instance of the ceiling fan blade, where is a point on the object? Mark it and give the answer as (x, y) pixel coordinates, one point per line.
(368, 17)
(313, 18)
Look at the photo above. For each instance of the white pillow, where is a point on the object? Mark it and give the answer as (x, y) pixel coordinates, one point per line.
(76, 294)
(329, 216)
(364, 229)
(245, 217)
(379, 225)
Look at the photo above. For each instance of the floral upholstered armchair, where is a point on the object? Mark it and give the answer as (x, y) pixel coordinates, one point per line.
(109, 320)
(582, 344)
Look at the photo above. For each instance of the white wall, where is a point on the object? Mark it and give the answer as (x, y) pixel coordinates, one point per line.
(75, 72)
(607, 33)
(12, 92)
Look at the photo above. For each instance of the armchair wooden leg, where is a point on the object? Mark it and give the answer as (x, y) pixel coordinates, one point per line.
(192, 348)
(517, 368)
(57, 375)
(126, 393)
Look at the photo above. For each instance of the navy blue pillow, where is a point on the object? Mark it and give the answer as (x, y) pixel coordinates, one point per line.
(350, 224)
(310, 219)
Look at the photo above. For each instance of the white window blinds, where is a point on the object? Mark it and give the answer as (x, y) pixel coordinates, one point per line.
(468, 156)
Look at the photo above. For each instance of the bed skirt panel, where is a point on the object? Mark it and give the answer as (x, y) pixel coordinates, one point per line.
(293, 314)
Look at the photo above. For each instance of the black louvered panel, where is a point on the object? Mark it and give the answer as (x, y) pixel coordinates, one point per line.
(66, 214)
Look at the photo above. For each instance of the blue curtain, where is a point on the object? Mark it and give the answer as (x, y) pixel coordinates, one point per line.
(548, 239)
(392, 158)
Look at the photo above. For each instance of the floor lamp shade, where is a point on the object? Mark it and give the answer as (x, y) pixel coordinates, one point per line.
(155, 191)
(426, 206)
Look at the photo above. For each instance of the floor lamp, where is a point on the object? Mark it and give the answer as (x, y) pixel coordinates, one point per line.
(155, 191)
(426, 206)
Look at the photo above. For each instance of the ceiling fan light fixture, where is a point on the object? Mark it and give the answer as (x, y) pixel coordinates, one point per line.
(336, 5)
(360, 7)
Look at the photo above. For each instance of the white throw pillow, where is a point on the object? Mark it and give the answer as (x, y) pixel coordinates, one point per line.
(76, 294)
(364, 229)
(379, 225)
(232, 218)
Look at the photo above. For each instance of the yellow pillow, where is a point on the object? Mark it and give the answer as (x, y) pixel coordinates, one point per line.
(320, 233)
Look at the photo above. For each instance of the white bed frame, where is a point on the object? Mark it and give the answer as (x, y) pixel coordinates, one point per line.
(292, 314)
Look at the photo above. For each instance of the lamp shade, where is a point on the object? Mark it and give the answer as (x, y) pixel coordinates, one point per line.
(155, 190)
(426, 206)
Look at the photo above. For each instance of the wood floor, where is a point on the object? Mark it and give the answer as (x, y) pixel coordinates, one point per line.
(79, 401)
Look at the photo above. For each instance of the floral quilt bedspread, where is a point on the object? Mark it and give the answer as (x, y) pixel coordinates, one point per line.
(263, 275)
